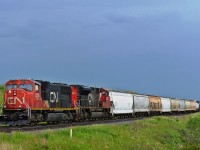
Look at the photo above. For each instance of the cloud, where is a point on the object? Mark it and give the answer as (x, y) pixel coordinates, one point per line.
(16, 32)
(119, 43)
(137, 13)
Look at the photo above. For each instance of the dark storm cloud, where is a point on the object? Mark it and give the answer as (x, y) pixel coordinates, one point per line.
(147, 46)
(16, 32)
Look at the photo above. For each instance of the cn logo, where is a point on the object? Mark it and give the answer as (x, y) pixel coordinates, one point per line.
(13, 100)
(53, 97)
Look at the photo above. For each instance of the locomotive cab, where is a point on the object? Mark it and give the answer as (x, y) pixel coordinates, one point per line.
(19, 94)
(104, 98)
(19, 97)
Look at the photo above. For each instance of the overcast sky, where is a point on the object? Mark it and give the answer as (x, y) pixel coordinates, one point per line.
(148, 46)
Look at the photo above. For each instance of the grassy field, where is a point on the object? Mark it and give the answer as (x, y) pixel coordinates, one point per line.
(150, 134)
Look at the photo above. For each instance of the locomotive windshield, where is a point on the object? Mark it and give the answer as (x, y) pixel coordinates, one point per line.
(27, 87)
(11, 86)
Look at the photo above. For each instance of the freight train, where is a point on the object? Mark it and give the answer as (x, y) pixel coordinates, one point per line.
(29, 101)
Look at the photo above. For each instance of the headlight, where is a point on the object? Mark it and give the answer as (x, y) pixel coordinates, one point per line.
(14, 93)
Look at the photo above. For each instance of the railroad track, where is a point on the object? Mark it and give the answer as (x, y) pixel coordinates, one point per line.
(9, 129)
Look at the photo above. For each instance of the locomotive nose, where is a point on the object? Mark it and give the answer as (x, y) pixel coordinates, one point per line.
(14, 99)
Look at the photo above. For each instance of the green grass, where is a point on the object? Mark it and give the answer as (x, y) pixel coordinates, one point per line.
(150, 134)
(1, 94)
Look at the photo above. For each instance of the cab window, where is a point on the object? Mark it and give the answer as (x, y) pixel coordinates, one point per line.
(27, 87)
(36, 88)
(11, 86)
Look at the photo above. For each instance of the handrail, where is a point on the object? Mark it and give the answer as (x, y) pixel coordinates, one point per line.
(27, 106)
(29, 109)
